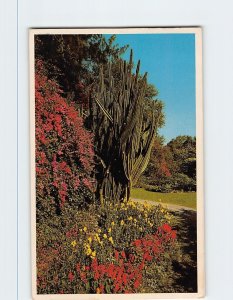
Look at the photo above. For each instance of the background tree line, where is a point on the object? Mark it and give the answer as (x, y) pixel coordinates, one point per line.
(172, 166)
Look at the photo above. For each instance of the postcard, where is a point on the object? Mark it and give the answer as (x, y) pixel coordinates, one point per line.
(116, 163)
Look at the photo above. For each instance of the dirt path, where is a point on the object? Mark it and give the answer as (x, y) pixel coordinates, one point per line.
(173, 207)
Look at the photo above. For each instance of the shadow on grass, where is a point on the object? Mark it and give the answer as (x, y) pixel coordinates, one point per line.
(186, 267)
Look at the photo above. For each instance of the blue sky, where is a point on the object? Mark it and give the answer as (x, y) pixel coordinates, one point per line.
(169, 60)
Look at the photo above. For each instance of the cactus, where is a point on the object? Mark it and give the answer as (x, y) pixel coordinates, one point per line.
(123, 133)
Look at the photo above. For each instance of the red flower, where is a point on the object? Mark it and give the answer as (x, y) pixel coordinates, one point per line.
(166, 227)
(116, 254)
(123, 254)
(71, 276)
(96, 275)
(131, 257)
(136, 283)
(147, 256)
(141, 266)
(78, 268)
(102, 269)
(111, 271)
(137, 243)
(83, 277)
(125, 278)
(94, 264)
(173, 234)
(117, 287)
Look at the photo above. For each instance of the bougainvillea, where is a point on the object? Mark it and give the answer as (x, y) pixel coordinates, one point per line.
(64, 150)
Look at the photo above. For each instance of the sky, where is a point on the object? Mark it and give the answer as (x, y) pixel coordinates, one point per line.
(169, 60)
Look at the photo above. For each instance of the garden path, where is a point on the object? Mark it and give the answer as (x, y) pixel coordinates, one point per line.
(166, 205)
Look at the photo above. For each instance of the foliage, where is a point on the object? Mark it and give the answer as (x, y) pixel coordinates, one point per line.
(64, 150)
(74, 60)
(106, 250)
(183, 149)
(172, 167)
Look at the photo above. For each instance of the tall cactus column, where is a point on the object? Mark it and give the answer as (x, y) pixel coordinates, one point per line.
(124, 131)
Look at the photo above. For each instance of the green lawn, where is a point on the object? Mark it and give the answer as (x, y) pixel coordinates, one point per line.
(184, 199)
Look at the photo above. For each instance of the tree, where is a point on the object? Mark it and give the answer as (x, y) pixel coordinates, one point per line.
(183, 150)
(172, 166)
(73, 61)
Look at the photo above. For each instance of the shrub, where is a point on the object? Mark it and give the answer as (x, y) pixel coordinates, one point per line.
(64, 150)
(183, 182)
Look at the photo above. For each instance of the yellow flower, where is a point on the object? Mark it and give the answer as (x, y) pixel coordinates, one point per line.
(97, 238)
(135, 220)
(105, 235)
(99, 230)
(93, 254)
(88, 250)
(81, 230)
(109, 230)
(122, 222)
(110, 240)
(74, 243)
(85, 229)
(89, 239)
(112, 223)
(130, 218)
(133, 204)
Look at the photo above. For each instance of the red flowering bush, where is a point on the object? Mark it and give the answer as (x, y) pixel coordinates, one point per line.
(64, 150)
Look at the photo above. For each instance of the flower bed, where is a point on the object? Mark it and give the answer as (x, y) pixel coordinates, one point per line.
(104, 250)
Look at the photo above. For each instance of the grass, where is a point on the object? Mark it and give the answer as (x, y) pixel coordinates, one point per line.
(183, 199)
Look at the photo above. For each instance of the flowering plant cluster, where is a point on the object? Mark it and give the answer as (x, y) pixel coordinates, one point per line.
(124, 274)
(64, 150)
(88, 256)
